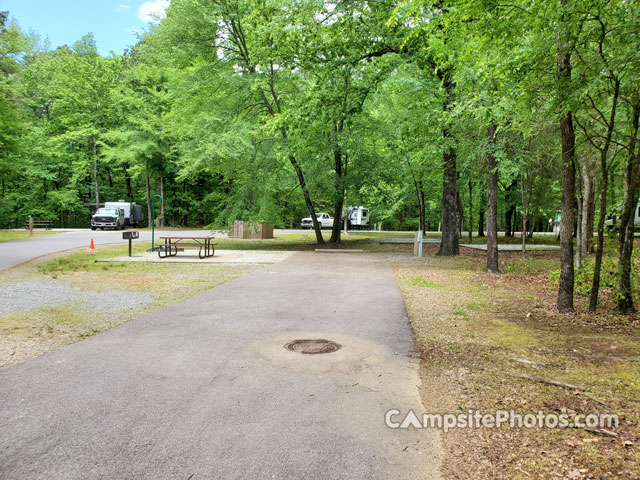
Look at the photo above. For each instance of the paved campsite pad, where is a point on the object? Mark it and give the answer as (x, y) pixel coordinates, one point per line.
(206, 388)
(221, 256)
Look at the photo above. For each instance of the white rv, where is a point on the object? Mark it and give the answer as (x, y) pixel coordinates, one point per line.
(117, 215)
(357, 218)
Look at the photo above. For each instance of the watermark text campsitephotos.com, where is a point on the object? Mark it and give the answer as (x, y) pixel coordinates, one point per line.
(500, 418)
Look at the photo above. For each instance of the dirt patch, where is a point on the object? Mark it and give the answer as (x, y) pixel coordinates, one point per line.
(480, 334)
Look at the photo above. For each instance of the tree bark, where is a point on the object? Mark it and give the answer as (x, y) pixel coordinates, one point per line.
(148, 190)
(579, 237)
(450, 215)
(307, 200)
(631, 174)
(305, 192)
(591, 215)
(567, 134)
(509, 220)
(450, 244)
(127, 178)
(421, 205)
(95, 171)
(338, 200)
(595, 286)
(588, 198)
(525, 205)
(161, 220)
(470, 212)
(492, 204)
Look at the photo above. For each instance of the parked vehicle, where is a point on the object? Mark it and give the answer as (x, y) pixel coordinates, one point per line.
(132, 211)
(611, 223)
(108, 218)
(556, 224)
(117, 215)
(324, 219)
(357, 218)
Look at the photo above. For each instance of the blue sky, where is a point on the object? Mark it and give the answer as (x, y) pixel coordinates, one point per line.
(112, 22)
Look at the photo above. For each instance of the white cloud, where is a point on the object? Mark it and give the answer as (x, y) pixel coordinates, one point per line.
(123, 7)
(153, 11)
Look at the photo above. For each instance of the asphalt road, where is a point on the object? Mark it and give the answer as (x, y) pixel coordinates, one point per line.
(19, 251)
(205, 389)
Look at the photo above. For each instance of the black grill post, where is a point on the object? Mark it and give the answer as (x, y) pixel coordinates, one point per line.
(130, 236)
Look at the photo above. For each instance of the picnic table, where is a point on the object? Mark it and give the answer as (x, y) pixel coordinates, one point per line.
(174, 243)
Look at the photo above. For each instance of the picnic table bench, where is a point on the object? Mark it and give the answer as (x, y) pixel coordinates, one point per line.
(173, 243)
(46, 224)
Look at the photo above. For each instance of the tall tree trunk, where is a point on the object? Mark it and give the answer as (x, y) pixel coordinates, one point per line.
(525, 206)
(588, 197)
(492, 203)
(338, 198)
(127, 178)
(591, 215)
(450, 244)
(510, 220)
(305, 191)
(450, 215)
(95, 171)
(568, 140)
(629, 206)
(274, 108)
(421, 205)
(481, 223)
(148, 190)
(161, 222)
(579, 237)
(470, 212)
(460, 215)
(307, 200)
(604, 151)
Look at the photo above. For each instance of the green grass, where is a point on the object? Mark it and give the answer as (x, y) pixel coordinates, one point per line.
(85, 260)
(531, 264)
(421, 282)
(305, 241)
(10, 235)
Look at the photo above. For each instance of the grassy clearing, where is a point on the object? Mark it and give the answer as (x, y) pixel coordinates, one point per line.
(478, 331)
(10, 235)
(538, 239)
(307, 241)
(27, 334)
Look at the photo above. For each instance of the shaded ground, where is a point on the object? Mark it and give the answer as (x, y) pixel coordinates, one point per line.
(475, 331)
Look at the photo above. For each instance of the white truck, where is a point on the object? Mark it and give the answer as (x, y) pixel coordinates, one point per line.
(324, 219)
(117, 215)
(108, 218)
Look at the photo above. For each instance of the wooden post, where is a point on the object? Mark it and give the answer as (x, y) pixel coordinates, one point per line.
(30, 226)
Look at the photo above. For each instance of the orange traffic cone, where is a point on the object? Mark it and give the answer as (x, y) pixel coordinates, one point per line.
(91, 245)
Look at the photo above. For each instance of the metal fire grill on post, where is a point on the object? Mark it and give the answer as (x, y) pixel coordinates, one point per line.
(130, 236)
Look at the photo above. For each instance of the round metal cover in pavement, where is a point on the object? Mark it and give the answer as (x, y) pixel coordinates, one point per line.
(312, 346)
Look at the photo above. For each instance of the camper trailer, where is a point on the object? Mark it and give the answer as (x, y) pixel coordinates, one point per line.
(117, 215)
(357, 218)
